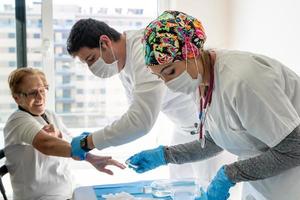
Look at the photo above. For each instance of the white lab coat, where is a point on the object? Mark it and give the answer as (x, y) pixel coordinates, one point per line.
(255, 104)
(148, 96)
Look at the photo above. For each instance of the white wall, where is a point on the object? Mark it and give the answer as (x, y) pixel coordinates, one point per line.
(214, 17)
(270, 27)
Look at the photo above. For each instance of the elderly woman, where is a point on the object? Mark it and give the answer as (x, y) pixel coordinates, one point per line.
(35, 146)
(248, 105)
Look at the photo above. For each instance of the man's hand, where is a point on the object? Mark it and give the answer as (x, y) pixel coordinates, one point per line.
(100, 163)
(51, 130)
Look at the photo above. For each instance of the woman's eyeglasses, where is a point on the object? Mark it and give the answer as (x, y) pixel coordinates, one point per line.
(34, 93)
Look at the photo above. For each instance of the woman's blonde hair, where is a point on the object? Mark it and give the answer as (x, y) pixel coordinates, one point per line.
(16, 77)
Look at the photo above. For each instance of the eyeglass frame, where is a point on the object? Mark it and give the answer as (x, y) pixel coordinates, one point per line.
(35, 93)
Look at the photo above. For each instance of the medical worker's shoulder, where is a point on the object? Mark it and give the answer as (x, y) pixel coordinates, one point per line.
(239, 66)
(134, 36)
(134, 46)
(232, 72)
(240, 73)
(142, 77)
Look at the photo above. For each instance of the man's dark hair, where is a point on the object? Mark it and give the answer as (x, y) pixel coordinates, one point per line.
(86, 33)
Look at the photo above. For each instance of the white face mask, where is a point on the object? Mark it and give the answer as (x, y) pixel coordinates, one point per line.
(184, 83)
(102, 69)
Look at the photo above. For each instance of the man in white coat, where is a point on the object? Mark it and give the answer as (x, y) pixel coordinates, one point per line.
(107, 53)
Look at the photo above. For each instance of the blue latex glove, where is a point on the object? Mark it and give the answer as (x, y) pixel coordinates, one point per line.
(147, 160)
(77, 151)
(219, 187)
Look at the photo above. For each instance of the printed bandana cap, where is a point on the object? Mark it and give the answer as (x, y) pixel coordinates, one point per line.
(172, 36)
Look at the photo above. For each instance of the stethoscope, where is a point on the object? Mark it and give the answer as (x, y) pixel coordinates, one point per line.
(204, 107)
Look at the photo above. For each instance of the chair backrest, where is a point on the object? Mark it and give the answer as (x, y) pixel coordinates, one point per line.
(3, 171)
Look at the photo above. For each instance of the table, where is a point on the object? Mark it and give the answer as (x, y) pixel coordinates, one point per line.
(96, 192)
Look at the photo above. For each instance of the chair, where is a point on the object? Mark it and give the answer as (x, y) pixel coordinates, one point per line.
(3, 171)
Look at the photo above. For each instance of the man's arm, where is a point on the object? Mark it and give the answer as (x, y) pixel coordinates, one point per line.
(146, 99)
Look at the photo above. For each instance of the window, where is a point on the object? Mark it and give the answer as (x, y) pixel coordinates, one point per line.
(36, 35)
(66, 93)
(66, 79)
(135, 11)
(118, 10)
(80, 91)
(80, 77)
(102, 91)
(80, 104)
(99, 10)
(12, 64)
(11, 49)
(66, 107)
(37, 64)
(34, 40)
(11, 35)
(7, 64)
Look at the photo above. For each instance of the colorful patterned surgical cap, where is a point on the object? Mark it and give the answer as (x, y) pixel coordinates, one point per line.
(172, 36)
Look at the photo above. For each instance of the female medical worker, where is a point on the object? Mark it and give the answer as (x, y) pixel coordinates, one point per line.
(36, 149)
(248, 105)
(97, 44)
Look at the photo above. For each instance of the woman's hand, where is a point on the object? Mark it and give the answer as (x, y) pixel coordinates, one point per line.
(51, 130)
(100, 163)
(147, 160)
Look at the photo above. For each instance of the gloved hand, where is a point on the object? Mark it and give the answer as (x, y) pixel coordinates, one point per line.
(147, 160)
(219, 187)
(77, 151)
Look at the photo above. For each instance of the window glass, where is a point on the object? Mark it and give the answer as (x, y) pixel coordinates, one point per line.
(34, 31)
(8, 62)
(90, 97)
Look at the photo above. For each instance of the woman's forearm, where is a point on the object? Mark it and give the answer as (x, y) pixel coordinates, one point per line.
(274, 161)
(50, 145)
(191, 151)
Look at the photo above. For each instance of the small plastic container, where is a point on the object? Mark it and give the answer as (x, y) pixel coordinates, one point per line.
(178, 189)
(186, 192)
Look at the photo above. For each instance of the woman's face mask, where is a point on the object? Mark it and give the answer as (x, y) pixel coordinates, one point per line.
(184, 83)
(102, 69)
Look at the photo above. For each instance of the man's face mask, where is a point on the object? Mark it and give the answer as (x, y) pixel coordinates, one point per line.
(102, 69)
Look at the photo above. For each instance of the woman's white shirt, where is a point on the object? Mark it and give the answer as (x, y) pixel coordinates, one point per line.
(33, 174)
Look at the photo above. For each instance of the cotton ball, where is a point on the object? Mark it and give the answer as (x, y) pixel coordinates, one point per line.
(119, 196)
